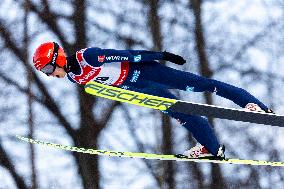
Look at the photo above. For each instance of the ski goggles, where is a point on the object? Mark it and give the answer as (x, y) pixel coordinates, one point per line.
(49, 68)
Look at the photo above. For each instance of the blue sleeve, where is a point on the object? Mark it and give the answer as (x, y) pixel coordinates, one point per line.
(97, 57)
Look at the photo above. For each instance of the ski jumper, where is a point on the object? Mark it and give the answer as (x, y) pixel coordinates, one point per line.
(139, 71)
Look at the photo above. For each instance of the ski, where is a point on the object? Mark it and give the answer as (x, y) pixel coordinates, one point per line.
(177, 157)
(166, 104)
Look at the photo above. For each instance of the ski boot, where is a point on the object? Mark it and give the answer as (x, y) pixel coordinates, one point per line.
(255, 108)
(200, 152)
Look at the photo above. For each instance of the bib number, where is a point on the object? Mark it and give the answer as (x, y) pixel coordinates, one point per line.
(101, 79)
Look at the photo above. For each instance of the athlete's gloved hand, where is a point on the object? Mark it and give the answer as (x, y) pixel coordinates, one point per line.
(173, 58)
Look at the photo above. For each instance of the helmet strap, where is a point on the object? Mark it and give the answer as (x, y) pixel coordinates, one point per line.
(66, 67)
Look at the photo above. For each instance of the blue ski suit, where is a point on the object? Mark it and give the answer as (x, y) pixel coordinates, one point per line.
(139, 71)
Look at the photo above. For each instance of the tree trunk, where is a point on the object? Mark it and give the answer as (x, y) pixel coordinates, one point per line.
(86, 136)
(167, 148)
(217, 177)
(34, 184)
(88, 165)
(5, 161)
(154, 22)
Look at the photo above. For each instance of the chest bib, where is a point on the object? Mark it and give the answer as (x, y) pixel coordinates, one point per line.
(114, 73)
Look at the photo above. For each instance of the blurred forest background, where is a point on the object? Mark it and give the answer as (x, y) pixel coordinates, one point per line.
(239, 42)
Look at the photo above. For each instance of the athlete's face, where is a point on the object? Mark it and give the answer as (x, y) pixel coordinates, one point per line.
(58, 72)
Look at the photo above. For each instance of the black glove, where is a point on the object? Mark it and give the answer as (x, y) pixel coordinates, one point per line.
(173, 58)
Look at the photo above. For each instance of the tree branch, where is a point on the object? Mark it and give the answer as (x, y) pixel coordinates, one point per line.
(5, 161)
(140, 146)
(108, 112)
(244, 47)
(50, 19)
(48, 102)
(46, 99)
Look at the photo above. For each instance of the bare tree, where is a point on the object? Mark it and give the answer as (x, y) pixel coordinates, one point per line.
(209, 47)
(34, 182)
(154, 23)
(89, 127)
(217, 177)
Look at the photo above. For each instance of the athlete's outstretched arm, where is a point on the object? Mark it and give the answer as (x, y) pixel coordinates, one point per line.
(98, 57)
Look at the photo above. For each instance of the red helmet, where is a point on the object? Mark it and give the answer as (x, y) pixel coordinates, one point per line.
(49, 53)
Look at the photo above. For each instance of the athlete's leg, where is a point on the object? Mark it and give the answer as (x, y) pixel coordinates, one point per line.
(198, 126)
(178, 79)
